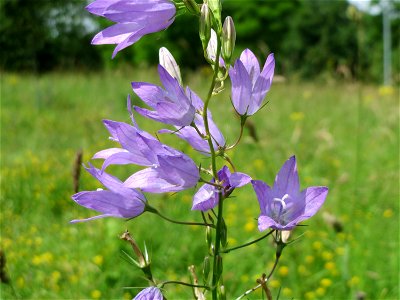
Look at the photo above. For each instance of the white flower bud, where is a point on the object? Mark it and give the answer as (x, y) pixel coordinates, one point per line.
(169, 64)
(228, 39)
(205, 25)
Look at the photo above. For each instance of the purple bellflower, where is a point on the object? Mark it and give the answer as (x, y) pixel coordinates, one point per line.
(190, 134)
(118, 201)
(207, 196)
(284, 206)
(150, 293)
(169, 170)
(249, 85)
(171, 106)
(134, 19)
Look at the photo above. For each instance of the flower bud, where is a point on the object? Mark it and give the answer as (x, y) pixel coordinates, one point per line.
(206, 268)
(224, 234)
(228, 39)
(192, 6)
(216, 7)
(222, 292)
(169, 64)
(285, 234)
(205, 25)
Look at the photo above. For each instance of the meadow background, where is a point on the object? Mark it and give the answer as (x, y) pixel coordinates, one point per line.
(344, 132)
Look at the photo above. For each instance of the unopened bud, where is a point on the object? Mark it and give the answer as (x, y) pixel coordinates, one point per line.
(205, 25)
(222, 292)
(228, 39)
(169, 64)
(285, 234)
(192, 6)
(212, 46)
(206, 268)
(216, 7)
(224, 234)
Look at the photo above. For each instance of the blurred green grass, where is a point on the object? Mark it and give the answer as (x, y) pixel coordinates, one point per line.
(345, 136)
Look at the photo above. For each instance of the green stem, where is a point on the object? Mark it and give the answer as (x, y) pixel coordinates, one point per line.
(154, 211)
(216, 271)
(247, 244)
(184, 283)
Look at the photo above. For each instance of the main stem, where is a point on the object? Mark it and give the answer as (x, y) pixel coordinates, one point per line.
(216, 272)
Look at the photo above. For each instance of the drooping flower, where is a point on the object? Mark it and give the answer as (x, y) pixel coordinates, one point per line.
(169, 170)
(249, 85)
(118, 201)
(207, 196)
(171, 106)
(190, 134)
(134, 19)
(150, 293)
(284, 206)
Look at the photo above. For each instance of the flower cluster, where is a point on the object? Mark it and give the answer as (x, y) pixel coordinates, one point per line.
(165, 169)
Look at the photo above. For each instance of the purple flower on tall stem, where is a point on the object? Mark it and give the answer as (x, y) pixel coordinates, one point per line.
(207, 196)
(134, 19)
(195, 136)
(150, 293)
(249, 84)
(118, 201)
(171, 106)
(284, 206)
(169, 170)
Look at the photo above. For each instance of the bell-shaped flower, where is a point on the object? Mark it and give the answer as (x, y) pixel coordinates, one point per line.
(133, 18)
(117, 201)
(169, 170)
(150, 293)
(170, 106)
(249, 84)
(207, 196)
(190, 134)
(284, 206)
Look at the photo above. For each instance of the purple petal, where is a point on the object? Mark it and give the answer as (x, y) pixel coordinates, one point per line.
(180, 170)
(206, 198)
(98, 7)
(104, 154)
(313, 197)
(117, 33)
(238, 179)
(241, 87)
(287, 180)
(150, 293)
(265, 222)
(147, 11)
(148, 180)
(149, 93)
(264, 195)
(109, 203)
(251, 64)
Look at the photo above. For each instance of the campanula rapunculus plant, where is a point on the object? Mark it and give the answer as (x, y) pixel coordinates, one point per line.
(117, 201)
(187, 114)
(134, 19)
(284, 206)
(250, 84)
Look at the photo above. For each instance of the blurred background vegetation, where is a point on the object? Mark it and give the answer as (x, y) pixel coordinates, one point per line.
(55, 88)
(310, 38)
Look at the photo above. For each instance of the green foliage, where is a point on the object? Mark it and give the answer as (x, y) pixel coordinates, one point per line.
(309, 38)
(345, 136)
(43, 35)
